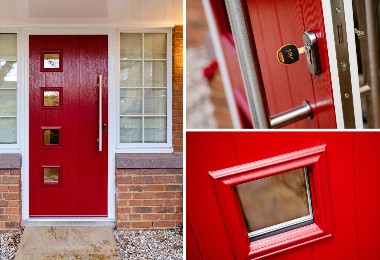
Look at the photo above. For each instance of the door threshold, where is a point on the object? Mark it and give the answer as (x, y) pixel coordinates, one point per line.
(51, 221)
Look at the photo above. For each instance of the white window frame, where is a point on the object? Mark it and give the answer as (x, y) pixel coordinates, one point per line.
(147, 147)
(15, 148)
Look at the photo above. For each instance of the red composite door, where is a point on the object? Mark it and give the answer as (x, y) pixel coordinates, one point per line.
(351, 167)
(67, 170)
(275, 23)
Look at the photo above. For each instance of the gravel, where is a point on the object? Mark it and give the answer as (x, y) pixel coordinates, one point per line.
(150, 244)
(199, 109)
(9, 244)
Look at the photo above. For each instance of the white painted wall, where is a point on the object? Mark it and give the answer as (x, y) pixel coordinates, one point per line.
(95, 12)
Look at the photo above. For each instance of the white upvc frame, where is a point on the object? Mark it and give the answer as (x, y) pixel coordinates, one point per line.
(147, 147)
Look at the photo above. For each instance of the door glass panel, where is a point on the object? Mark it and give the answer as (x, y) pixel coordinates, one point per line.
(8, 132)
(130, 102)
(51, 175)
(155, 101)
(131, 74)
(51, 60)
(51, 98)
(155, 129)
(155, 45)
(155, 74)
(51, 136)
(131, 129)
(275, 202)
(8, 102)
(130, 45)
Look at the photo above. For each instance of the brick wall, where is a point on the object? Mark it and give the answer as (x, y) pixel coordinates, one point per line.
(148, 198)
(177, 67)
(10, 200)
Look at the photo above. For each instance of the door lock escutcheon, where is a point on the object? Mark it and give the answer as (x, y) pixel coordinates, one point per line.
(312, 52)
(289, 53)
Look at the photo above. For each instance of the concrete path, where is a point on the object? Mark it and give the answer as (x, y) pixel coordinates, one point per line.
(67, 243)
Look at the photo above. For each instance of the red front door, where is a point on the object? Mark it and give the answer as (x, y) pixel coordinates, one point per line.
(67, 170)
(350, 165)
(276, 23)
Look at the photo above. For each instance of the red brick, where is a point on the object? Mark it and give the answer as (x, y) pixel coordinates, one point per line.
(164, 179)
(164, 210)
(124, 179)
(175, 216)
(142, 210)
(168, 195)
(13, 211)
(158, 187)
(123, 225)
(143, 180)
(153, 203)
(173, 187)
(152, 217)
(144, 195)
(164, 224)
(142, 224)
(11, 196)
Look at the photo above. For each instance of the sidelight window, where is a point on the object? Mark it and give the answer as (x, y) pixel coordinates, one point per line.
(8, 88)
(145, 90)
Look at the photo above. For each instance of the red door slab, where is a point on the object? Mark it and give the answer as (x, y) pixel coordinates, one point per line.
(351, 167)
(67, 172)
(275, 23)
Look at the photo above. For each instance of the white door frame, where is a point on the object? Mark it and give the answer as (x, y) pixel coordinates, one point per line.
(24, 35)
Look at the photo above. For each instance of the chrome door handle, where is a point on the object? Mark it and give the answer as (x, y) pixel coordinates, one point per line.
(100, 86)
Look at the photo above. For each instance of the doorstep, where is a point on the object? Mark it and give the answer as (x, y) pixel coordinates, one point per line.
(63, 242)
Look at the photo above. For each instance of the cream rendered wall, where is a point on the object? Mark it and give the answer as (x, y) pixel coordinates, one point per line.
(91, 12)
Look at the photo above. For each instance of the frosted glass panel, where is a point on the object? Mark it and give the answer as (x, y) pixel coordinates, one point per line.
(130, 102)
(130, 130)
(51, 175)
(8, 130)
(130, 74)
(8, 105)
(155, 129)
(8, 74)
(155, 74)
(8, 46)
(155, 46)
(131, 45)
(155, 102)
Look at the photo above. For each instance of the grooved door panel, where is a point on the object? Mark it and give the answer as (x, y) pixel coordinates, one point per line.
(81, 186)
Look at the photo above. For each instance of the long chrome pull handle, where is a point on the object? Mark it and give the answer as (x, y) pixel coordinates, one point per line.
(100, 85)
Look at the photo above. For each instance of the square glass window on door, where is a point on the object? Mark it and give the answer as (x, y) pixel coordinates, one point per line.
(51, 98)
(51, 175)
(276, 204)
(51, 136)
(51, 60)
